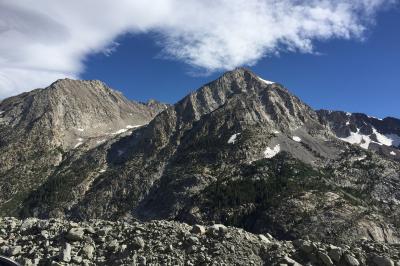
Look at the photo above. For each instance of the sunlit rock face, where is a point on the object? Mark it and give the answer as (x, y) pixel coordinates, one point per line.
(39, 128)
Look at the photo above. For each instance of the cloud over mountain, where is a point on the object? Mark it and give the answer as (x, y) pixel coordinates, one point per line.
(49, 39)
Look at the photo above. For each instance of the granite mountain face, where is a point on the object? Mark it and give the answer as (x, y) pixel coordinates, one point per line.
(240, 150)
(39, 128)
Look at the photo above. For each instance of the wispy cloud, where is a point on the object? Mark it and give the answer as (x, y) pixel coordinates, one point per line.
(47, 39)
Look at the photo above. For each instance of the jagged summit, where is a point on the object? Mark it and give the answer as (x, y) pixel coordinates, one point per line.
(270, 101)
(242, 71)
(238, 77)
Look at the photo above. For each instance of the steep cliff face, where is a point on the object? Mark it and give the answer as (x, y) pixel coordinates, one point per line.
(242, 151)
(38, 129)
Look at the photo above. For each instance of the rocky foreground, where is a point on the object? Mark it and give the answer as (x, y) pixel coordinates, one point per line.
(98, 242)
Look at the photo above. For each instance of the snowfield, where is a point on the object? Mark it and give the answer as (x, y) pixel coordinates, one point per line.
(120, 131)
(269, 153)
(80, 142)
(296, 138)
(365, 140)
(266, 81)
(135, 126)
(395, 139)
(233, 138)
(357, 138)
(361, 158)
(375, 118)
(382, 138)
(123, 130)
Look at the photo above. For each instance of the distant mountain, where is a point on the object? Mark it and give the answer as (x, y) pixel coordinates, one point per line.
(380, 135)
(39, 128)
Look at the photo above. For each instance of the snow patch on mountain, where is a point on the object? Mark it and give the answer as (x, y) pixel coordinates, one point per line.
(375, 118)
(365, 140)
(101, 141)
(394, 138)
(122, 130)
(357, 138)
(382, 138)
(80, 142)
(233, 138)
(393, 153)
(135, 126)
(269, 153)
(296, 138)
(361, 158)
(266, 81)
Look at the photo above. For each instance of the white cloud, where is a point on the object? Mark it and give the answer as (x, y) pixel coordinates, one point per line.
(44, 40)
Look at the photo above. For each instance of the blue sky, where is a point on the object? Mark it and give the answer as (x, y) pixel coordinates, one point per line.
(349, 75)
(335, 54)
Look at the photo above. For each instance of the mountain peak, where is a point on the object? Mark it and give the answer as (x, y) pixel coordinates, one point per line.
(74, 110)
(65, 81)
(242, 72)
(75, 86)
